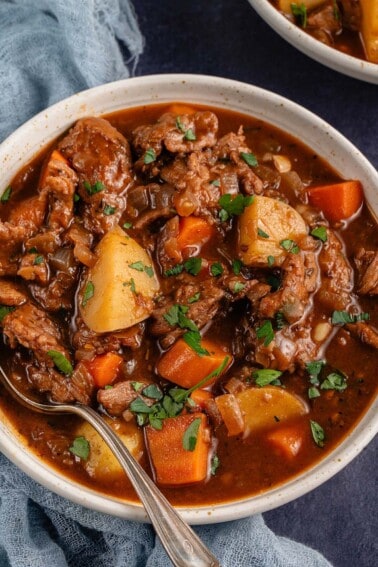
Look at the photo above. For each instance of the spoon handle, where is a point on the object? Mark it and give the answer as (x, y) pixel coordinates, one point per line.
(182, 545)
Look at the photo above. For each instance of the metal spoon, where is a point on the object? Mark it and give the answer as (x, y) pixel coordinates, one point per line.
(182, 545)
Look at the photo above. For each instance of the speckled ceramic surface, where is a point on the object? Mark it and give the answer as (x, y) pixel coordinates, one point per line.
(30, 138)
(334, 59)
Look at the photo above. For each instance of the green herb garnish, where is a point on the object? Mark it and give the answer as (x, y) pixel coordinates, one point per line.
(317, 432)
(193, 266)
(60, 361)
(335, 381)
(88, 293)
(4, 310)
(320, 232)
(189, 440)
(249, 158)
(215, 462)
(299, 11)
(149, 156)
(193, 339)
(262, 233)
(216, 269)
(271, 261)
(6, 195)
(265, 332)
(109, 210)
(238, 287)
(290, 246)
(313, 392)
(237, 266)
(140, 267)
(38, 260)
(233, 206)
(127, 225)
(95, 188)
(266, 376)
(343, 317)
(194, 297)
(175, 271)
(80, 448)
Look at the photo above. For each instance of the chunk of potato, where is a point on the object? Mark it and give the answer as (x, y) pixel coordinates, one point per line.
(263, 225)
(118, 290)
(101, 462)
(264, 407)
(369, 28)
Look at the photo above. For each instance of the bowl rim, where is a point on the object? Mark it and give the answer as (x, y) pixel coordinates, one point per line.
(216, 92)
(325, 54)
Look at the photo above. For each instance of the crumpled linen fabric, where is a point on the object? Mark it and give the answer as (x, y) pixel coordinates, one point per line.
(41, 529)
(50, 49)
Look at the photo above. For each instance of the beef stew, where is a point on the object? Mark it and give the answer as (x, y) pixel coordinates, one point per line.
(203, 280)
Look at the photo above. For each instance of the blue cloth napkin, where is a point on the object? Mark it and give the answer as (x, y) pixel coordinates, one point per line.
(50, 49)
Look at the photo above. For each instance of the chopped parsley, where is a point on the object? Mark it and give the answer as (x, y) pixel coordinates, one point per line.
(80, 448)
(127, 225)
(317, 432)
(215, 182)
(152, 391)
(271, 261)
(343, 317)
(266, 376)
(109, 210)
(265, 332)
(262, 234)
(233, 206)
(320, 232)
(193, 266)
(189, 439)
(215, 462)
(216, 269)
(280, 320)
(335, 381)
(193, 340)
(140, 267)
(194, 297)
(149, 156)
(299, 11)
(249, 158)
(4, 310)
(237, 266)
(188, 133)
(38, 260)
(95, 188)
(238, 287)
(60, 361)
(6, 195)
(131, 283)
(313, 392)
(290, 246)
(88, 293)
(175, 271)
(314, 367)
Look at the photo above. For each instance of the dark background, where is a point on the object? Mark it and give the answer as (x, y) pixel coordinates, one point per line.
(228, 39)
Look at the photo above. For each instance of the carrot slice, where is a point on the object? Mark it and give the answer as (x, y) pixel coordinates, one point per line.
(200, 397)
(171, 462)
(337, 201)
(193, 232)
(287, 440)
(104, 368)
(183, 366)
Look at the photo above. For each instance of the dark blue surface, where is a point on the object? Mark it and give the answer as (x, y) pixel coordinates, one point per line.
(227, 38)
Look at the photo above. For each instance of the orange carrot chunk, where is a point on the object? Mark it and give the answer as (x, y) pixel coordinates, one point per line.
(200, 397)
(338, 201)
(179, 451)
(104, 368)
(178, 109)
(183, 366)
(193, 232)
(287, 440)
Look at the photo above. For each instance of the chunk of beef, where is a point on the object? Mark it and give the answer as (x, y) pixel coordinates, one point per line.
(11, 293)
(117, 399)
(28, 215)
(87, 343)
(33, 267)
(59, 294)
(101, 157)
(183, 134)
(150, 202)
(46, 241)
(167, 250)
(367, 265)
(82, 240)
(324, 22)
(59, 183)
(299, 282)
(31, 327)
(336, 274)
(351, 14)
(77, 387)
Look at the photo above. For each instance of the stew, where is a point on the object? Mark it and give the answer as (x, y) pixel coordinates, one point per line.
(204, 281)
(350, 26)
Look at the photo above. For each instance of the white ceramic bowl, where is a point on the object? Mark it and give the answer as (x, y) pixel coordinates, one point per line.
(30, 138)
(315, 49)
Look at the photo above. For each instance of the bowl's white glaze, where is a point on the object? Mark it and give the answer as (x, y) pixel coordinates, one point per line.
(315, 49)
(30, 138)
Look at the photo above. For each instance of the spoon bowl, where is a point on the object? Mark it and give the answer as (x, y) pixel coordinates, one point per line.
(182, 545)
